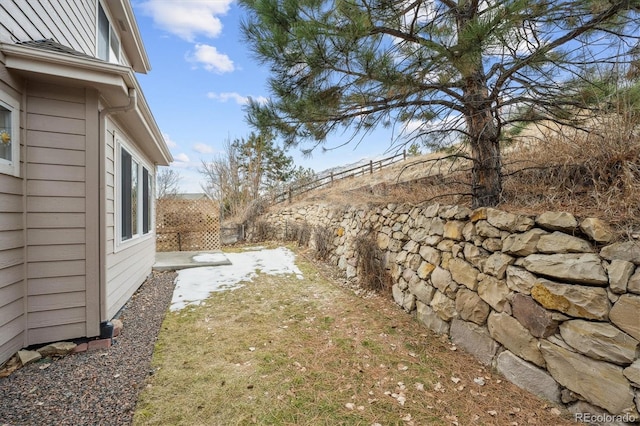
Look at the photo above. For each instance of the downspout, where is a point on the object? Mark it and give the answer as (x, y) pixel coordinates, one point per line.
(106, 328)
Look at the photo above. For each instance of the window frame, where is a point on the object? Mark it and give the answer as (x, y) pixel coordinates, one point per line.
(127, 232)
(12, 166)
(111, 38)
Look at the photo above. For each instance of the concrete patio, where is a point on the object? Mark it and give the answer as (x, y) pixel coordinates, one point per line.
(175, 260)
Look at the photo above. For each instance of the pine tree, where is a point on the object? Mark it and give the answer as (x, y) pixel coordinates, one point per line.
(452, 66)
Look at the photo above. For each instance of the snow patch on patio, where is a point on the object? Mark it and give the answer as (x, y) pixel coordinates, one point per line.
(194, 285)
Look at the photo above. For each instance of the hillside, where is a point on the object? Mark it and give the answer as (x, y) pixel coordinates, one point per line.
(594, 173)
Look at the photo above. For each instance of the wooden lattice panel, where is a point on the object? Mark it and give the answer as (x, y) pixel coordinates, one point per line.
(187, 225)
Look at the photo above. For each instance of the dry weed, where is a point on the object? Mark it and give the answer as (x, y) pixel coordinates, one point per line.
(372, 274)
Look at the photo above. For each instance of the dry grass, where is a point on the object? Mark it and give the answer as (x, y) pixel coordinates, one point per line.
(547, 168)
(284, 351)
(593, 173)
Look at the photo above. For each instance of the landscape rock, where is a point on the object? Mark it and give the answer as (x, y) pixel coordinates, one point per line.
(557, 221)
(513, 336)
(509, 221)
(443, 306)
(520, 280)
(574, 300)
(597, 230)
(422, 291)
(382, 241)
(492, 244)
(559, 242)
(633, 285)
(600, 383)
(464, 273)
(430, 254)
(117, 327)
(485, 230)
(430, 318)
(398, 294)
(497, 264)
(425, 269)
(27, 357)
(528, 377)
(474, 339)
(600, 341)
(471, 307)
(441, 279)
(455, 212)
(475, 255)
(628, 250)
(626, 314)
(453, 230)
(57, 349)
(632, 372)
(494, 292)
(478, 214)
(523, 244)
(619, 273)
(469, 232)
(534, 317)
(583, 268)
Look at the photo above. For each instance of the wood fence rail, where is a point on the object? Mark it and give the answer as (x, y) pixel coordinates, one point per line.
(327, 180)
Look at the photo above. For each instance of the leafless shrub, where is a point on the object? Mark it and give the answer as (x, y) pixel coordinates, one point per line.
(263, 231)
(304, 234)
(371, 272)
(322, 240)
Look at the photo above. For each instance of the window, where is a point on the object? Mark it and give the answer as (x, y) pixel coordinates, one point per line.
(108, 43)
(9, 135)
(135, 197)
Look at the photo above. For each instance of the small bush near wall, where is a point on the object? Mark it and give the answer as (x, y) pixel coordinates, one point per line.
(322, 240)
(372, 275)
(262, 231)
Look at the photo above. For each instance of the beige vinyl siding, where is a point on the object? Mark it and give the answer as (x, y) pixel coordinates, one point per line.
(56, 213)
(12, 291)
(69, 22)
(128, 264)
(12, 255)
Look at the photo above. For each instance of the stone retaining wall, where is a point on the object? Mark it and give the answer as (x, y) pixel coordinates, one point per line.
(548, 301)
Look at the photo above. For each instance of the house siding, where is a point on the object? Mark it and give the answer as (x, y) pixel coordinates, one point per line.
(12, 252)
(127, 264)
(56, 126)
(71, 23)
(62, 271)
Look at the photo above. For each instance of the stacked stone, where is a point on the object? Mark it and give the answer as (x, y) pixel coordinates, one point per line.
(549, 301)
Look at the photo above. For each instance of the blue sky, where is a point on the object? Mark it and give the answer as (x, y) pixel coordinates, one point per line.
(200, 79)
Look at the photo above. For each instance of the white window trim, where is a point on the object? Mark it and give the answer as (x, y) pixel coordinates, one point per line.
(12, 167)
(112, 32)
(120, 244)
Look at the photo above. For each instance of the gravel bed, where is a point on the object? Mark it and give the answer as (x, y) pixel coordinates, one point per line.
(92, 388)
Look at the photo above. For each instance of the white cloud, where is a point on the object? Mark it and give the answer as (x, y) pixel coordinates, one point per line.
(182, 158)
(203, 148)
(210, 59)
(170, 142)
(187, 18)
(238, 98)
